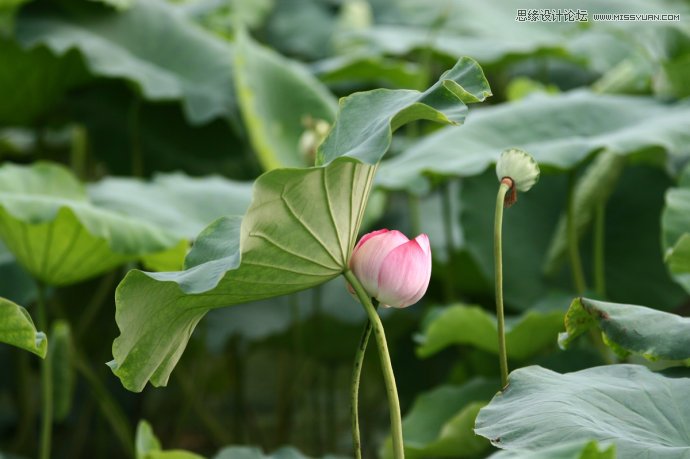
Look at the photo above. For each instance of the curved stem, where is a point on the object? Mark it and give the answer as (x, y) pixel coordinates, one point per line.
(354, 389)
(386, 366)
(46, 381)
(506, 184)
(573, 249)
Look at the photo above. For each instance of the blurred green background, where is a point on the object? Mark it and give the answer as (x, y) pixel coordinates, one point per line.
(148, 120)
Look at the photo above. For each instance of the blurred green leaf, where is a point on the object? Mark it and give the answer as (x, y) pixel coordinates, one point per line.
(526, 335)
(148, 446)
(17, 329)
(592, 189)
(369, 69)
(62, 368)
(675, 224)
(565, 450)
(641, 412)
(560, 131)
(48, 223)
(275, 95)
(118, 4)
(250, 452)
(630, 329)
(179, 203)
(151, 45)
(287, 33)
(38, 80)
(678, 261)
(440, 422)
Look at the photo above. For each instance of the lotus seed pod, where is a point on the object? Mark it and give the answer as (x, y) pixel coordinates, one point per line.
(520, 167)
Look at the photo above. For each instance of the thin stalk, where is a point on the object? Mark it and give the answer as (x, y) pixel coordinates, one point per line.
(354, 389)
(46, 381)
(506, 184)
(25, 402)
(315, 380)
(573, 249)
(217, 431)
(448, 220)
(386, 365)
(599, 264)
(111, 410)
(92, 309)
(79, 152)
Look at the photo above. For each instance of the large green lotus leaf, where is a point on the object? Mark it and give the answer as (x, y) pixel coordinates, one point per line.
(440, 422)
(644, 414)
(367, 120)
(630, 329)
(298, 233)
(567, 450)
(151, 45)
(60, 237)
(17, 329)
(34, 81)
(526, 335)
(181, 204)
(560, 131)
(275, 96)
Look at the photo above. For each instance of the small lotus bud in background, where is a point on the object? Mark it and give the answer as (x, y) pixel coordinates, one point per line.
(392, 268)
(315, 131)
(520, 168)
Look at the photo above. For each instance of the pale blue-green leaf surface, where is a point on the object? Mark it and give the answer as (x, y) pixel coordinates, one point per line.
(644, 414)
(560, 131)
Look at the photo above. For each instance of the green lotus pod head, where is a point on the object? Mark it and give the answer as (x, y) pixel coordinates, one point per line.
(520, 167)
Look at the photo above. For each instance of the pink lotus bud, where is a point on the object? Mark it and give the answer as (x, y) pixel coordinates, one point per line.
(392, 268)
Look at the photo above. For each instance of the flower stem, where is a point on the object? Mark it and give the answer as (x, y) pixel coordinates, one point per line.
(506, 184)
(354, 389)
(599, 263)
(575, 262)
(386, 366)
(46, 381)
